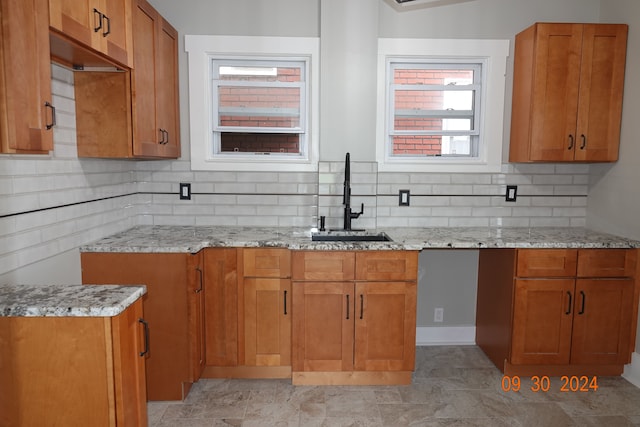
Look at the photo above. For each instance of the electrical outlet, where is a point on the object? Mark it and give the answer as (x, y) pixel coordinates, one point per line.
(512, 193)
(438, 314)
(404, 197)
(185, 191)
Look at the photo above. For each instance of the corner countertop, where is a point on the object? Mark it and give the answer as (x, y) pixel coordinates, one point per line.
(67, 300)
(191, 239)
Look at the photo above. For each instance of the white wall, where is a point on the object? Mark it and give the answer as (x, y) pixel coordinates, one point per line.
(614, 194)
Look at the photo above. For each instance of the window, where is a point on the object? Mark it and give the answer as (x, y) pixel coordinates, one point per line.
(440, 105)
(433, 109)
(255, 103)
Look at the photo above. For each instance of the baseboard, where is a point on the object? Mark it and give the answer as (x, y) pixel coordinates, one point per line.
(632, 371)
(446, 335)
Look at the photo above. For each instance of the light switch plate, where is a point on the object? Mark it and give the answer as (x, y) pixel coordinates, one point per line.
(404, 197)
(512, 193)
(185, 191)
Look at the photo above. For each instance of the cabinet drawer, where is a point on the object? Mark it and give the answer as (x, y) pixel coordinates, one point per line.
(606, 263)
(546, 262)
(387, 265)
(266, 262)
(323, 265)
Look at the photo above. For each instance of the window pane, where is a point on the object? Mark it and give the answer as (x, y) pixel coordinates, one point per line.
(433, 101)
(432, 145)
(260, 73)
(259, 107)
(260, 142)
(426, 76)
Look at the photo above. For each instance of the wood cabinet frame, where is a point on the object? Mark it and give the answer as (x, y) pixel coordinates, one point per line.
(567, 92)
(354, 317)
(518, 302)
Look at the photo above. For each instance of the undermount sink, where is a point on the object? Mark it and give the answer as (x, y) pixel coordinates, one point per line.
(347, 236)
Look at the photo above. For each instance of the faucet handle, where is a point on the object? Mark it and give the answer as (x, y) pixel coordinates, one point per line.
(357, 214)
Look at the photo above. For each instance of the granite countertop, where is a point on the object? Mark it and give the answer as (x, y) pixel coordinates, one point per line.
(67, 300)
(191, 239)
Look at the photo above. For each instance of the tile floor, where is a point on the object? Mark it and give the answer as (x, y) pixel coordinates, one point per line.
(453, 386)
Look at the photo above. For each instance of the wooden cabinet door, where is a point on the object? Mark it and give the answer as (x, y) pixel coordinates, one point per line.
(25, 78)
(103, 25)
(166, 308)
(221, 306)
(196, 314)
(542, 319)
(323, 326)
(554, 92)
(129, 347)
(385, 326)
(604, 48)
(267, 322)
(567, 92)
(603, 316)
(167, 89)
(155, 84)
(118, 43)
(77, 20)
(146, 135)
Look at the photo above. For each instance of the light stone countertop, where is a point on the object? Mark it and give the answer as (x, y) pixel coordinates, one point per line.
(67, 300)
(191, 239)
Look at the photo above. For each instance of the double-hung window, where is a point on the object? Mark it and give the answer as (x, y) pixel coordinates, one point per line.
(253, 103)
(434, 108)
(259, 106)
(440, 105)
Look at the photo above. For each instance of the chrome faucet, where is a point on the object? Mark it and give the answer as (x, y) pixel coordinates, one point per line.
(346, 196)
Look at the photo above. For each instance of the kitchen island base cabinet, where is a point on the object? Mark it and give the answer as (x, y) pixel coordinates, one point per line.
(557, 311)
(358, 328)
(73, 371)
(173, 307)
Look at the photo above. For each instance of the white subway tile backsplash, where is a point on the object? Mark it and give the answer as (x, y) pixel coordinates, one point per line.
(146, 192)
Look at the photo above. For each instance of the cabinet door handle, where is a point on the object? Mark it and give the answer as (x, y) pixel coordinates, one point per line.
(161, 142)
(285, 302)
(97, 27)
(361, 306)
(584, 298)
(47, 104)
(108, 31)
(166, 132)
(571, 141)
(146, 336)
(347, 306)
(199, 270)
(584, 141)
(569, 305)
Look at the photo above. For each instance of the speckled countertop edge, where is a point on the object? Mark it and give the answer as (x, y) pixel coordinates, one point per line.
(191, 239)
(67, 300)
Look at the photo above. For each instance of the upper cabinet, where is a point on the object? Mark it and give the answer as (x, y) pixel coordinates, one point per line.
(154, 84)
(567, 93)
(103, 25)
(26, 114)
(133, 113)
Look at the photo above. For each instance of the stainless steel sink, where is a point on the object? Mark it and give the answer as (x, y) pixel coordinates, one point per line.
(350, 237)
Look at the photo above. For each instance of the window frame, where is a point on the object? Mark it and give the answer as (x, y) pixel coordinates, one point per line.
(202, 50)
(492, 55)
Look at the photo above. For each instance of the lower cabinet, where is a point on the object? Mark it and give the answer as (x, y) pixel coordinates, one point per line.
(173, 307)
(100, 358)
(358, 328)
(248, 313)
(557, 311)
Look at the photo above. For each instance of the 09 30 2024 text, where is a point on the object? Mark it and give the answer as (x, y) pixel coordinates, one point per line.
(543, 384)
